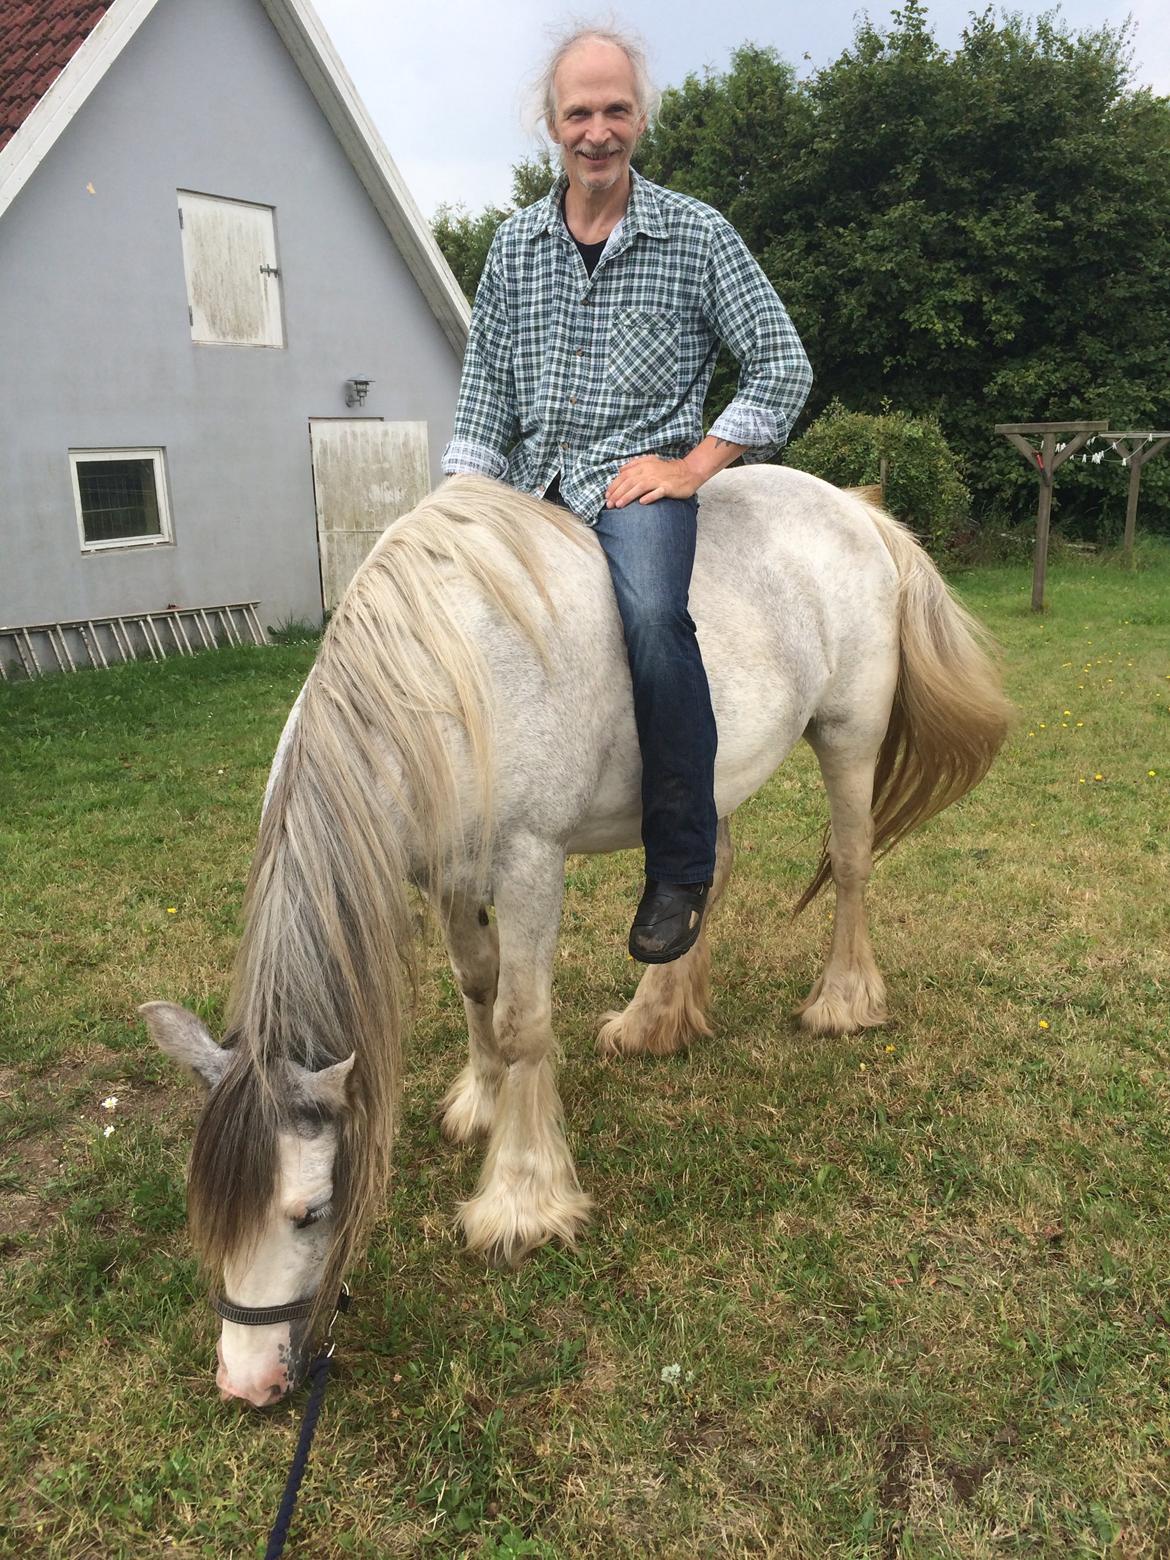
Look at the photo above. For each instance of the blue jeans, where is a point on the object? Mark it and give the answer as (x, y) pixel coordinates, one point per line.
(651, 551)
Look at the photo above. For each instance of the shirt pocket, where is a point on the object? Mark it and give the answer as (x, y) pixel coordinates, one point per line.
(643, 352)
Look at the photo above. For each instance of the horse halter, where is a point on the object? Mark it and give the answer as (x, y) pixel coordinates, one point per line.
(269, 1315)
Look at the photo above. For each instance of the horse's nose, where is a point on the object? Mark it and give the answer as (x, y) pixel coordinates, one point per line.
(261, 1391)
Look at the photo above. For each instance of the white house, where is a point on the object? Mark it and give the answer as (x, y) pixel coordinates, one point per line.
(205, 254)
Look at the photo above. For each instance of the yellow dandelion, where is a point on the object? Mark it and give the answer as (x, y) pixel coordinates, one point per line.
(1081, 781)
(1080, 723)
(1043, 1023)
(1098, 777)
(1066, 712)
(862, 1067)
(1031, 733)
(171, 910)
(1151, 773)
(1043, 726)
(890, 1049)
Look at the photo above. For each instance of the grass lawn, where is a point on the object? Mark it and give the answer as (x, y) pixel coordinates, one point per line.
(903, 1294)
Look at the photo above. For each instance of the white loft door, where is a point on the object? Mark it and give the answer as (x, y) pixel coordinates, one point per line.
(233, 281)
(365, 474)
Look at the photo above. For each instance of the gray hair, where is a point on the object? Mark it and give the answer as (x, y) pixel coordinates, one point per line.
(648, 95)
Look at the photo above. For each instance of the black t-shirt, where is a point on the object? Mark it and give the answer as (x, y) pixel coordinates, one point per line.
(590, 253)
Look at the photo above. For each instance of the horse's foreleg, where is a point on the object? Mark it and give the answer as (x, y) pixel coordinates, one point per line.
(668, 1010)
(528, 1190)
(473, 948)
(851, 994)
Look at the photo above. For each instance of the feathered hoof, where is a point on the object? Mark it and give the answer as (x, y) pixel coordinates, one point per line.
(505, 1224)
(638, 1032)
(843, 1008)
(468, 1108)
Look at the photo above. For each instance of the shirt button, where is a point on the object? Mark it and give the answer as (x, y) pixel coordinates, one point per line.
(580, 351)
(572, 400)
(564, 444)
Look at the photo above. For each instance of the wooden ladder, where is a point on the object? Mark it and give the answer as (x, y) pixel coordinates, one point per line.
(78, 642)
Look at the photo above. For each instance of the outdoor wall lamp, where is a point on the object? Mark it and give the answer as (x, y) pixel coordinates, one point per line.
(355, 391)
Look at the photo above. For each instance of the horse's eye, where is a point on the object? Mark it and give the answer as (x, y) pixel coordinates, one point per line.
(312, 1215)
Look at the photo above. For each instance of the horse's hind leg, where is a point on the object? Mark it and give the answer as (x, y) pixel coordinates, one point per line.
(851, 994)
(668, 1010)
(528, 1190)
(473, 948)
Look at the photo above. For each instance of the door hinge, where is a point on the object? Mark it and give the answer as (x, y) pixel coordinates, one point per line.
(269, 270)
(180, 216)
(191, 314)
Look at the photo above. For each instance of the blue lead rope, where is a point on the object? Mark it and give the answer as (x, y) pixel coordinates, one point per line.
(319, 1376)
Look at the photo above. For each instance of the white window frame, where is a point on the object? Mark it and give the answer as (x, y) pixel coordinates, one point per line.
(165, 538)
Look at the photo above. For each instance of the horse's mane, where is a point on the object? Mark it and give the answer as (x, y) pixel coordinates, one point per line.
(326, 960)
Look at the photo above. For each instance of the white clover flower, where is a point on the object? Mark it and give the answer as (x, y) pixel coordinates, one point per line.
(669, 1375)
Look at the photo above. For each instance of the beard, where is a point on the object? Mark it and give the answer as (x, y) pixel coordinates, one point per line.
(597, 176)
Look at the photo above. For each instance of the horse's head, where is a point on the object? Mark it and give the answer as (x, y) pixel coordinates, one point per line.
(260, 1198)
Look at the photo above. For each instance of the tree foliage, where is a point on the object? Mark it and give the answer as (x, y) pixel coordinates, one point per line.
(979, 235)
(465, 239)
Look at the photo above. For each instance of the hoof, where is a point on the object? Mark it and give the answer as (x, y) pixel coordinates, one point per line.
(639, 1033)
(843, 1008)
(505, 1225)
(468, 1108)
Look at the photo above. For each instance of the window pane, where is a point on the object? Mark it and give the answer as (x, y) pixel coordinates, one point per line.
(118, 499)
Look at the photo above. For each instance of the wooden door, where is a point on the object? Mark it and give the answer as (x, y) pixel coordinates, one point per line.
(233, 280)
(365, 474)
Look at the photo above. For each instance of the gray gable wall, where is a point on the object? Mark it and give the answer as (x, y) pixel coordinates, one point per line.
(95, 343)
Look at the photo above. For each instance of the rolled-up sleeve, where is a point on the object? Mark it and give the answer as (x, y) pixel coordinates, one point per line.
(741, 307)
(486, 423)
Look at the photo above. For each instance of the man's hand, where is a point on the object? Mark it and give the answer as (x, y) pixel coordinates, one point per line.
(649, 478)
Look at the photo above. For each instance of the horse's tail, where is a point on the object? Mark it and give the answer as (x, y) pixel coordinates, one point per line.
(384, 776)
(950, 715)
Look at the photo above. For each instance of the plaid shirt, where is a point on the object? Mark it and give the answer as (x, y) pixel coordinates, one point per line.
(575, 374)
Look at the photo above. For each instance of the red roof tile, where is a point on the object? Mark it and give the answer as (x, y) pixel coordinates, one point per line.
(38, 38)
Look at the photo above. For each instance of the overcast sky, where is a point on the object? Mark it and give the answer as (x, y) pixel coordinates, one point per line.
(445, 80)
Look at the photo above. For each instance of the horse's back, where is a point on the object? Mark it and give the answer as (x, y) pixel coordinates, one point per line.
(794, 600)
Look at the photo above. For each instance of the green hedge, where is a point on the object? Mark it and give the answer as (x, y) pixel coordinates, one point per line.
(924, 486)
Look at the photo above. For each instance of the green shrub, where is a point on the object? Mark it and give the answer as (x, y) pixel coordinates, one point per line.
(924, 486)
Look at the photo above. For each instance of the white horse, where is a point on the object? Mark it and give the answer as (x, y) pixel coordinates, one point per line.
(467, 723)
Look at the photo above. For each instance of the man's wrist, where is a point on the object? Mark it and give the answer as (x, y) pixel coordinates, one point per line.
(709, 457)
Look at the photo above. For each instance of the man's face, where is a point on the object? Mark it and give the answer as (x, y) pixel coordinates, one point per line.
(597, 122)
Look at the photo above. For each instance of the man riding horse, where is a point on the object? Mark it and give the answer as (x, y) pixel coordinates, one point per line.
(595, 331)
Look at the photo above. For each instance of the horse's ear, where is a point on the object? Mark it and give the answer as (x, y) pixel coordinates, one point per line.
(186, 1040)
(326, 1090)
